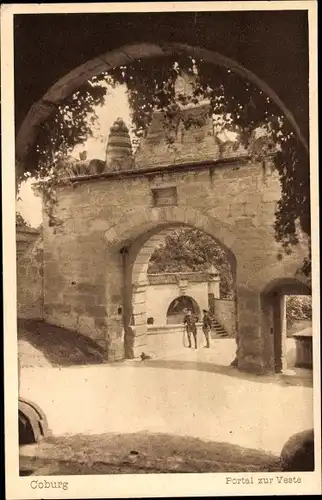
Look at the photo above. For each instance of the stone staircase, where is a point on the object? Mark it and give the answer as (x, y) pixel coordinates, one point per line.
(217, 330)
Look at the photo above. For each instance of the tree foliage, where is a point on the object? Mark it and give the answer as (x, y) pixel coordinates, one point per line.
(298, 307)
(188, 249)
(240, 105)
(20, 221)
(69, 125)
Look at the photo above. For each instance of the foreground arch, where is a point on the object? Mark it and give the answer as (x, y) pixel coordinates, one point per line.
(43, 108)
(191, 301)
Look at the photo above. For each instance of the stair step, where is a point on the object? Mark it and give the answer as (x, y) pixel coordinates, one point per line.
(218, 329)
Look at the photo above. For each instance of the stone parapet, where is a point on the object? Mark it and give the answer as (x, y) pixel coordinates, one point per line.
(175, 278)
(93, 170)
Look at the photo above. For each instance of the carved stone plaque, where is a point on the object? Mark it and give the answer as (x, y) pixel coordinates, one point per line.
(164, 196)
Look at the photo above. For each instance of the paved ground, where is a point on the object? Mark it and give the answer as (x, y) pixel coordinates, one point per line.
(191, 393)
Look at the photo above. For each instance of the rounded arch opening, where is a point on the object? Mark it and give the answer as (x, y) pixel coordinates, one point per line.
(287, 286)
(170, 292)
(145, 245)
(42, 109)
(178, 308)
(284, 351)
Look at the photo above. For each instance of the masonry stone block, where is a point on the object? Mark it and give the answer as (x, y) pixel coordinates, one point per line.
(78, 309)
(139, 298)
(89, 300)
(114, 326)
(111, 234)
(86, 325)
(95, 311)
(100, 323)
(139, 308)
(271, 194)
(86, 288)
(139, 318)
(115, 351)
(251, 364)
(69, 321)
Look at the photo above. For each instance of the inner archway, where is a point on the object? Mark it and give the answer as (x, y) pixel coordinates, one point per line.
(277, 342)
(170, 299)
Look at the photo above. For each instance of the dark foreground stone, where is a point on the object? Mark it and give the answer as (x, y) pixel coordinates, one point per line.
(298, 452)
(139, 453)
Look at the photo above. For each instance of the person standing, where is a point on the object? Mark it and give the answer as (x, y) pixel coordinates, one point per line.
(190, 320)
(206, 326)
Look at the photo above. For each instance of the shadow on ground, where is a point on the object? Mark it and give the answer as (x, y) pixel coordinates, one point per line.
(62, 347)
(297, 379)
(139, 453)
(59, 346)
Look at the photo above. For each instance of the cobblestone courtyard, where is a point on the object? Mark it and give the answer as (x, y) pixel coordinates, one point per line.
(193, 399)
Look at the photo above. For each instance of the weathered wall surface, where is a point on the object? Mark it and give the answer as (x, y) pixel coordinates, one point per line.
(30, 293)
(225, 313)
(163, 340)
(233, 201)
(96, 259)
(80, 281)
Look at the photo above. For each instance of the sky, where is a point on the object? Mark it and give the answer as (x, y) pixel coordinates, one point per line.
(116, 105)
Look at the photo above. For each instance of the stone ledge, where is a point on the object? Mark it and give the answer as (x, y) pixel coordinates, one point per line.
(30, 230)
(162, 169)
(27, 234)
(174, 278)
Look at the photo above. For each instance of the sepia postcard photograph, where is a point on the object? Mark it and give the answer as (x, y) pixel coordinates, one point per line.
(160, 249)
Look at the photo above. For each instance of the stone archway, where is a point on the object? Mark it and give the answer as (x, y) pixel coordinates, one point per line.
(273, 305)
(42, 109)
(136, 238)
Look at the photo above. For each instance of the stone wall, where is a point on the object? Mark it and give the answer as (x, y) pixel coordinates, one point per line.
(165, 339)
(225, 313)
(233, 201)
(96, 259)
(30, 293)
(78, 278)
(160, 296)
